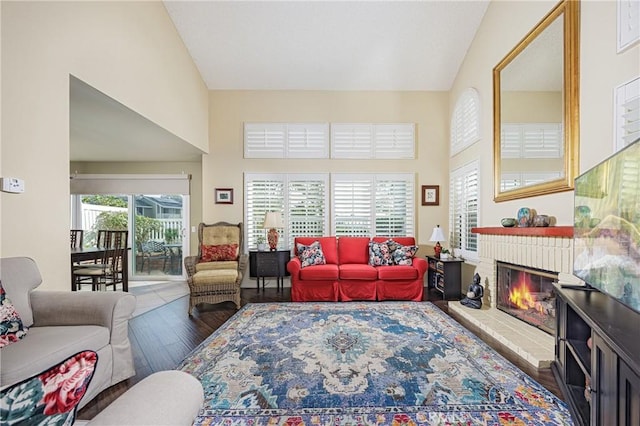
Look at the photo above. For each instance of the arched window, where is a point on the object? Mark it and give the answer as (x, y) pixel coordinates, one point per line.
(465, 121)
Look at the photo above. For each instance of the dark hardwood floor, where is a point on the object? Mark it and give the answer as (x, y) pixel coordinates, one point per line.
(163, 337)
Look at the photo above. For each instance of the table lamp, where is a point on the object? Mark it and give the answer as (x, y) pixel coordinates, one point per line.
(436, 236)
(272, 220)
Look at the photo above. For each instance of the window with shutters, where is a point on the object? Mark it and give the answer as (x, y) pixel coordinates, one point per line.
(463, 210)
(531, 140)
(371, 141)
(465, 121)
(627, 108)
(372, 204)
(302, 199)
(286, 140)
(360, 205)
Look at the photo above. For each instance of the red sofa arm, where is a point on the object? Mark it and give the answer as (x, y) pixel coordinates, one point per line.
(294, 266)
(421, 265)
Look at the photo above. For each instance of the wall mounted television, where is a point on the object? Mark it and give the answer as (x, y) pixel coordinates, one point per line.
(606, 236)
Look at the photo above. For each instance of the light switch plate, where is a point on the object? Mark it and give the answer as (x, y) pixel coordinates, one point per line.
(13, 185)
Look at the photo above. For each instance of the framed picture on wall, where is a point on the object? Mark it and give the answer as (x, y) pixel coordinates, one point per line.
(224, 195)
(430, 195)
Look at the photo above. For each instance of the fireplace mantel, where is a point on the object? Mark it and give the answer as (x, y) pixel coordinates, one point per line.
(547, 231)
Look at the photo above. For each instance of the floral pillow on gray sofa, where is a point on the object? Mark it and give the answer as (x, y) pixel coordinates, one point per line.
(11, 327)
(51, 397)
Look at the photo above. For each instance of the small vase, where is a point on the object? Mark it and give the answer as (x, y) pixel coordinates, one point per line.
(524, 217)
(262, 247)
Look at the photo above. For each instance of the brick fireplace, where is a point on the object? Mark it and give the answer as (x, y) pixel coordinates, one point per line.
(548, 249)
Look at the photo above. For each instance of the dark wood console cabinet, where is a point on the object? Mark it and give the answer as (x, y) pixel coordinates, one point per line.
(445, 276)
(601, 384)
(269, 264)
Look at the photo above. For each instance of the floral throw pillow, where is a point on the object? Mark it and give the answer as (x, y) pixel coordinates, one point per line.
(51, 397)
(219, 252)
(379, 254)
(402, 255)
(11, 327)
(311, 254)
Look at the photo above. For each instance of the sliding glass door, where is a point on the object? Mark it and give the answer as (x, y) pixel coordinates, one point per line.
(157, 225)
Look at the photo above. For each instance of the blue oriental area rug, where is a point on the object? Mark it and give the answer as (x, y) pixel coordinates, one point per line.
(384, 363)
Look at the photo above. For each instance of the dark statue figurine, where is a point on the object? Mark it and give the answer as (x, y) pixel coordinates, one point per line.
(474, 295)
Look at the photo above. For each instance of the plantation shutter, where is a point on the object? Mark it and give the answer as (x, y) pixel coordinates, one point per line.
(465, 121)
(353, 205)
(351, 141)
(627, 113)
(286, 140)
(366, 141)
(394, 141)
(463, 209)
(263, 193)
(394, 205)
(307, 140)
(308, 201)
(531, 140)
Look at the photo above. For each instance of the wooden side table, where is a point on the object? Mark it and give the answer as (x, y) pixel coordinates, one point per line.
(445, 276)
(269, 264)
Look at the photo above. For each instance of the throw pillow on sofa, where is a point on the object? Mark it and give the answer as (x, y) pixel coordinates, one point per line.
(311, 254)
(401, 255)
(11, 327)
(50, 398)
(380, 254)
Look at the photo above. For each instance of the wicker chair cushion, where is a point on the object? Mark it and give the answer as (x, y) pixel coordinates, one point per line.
(215, 276)
(210, 266)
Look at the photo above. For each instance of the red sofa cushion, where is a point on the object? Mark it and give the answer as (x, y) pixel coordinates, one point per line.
(353, 250)
(397, 272)
(358, 271)
(329, 247)
(319, 272)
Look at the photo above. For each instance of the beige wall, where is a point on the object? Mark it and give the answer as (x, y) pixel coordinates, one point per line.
(531, 107)
(224, 166)
(128, 50)
(601, 69)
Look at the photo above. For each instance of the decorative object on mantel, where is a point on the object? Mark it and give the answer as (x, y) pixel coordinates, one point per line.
(525, 216)
(541, 220)
(273, 220)
(474, 295)
(509, 222)
(436, 236)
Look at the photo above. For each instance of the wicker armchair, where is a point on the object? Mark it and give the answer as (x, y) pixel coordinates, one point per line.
(215, 274)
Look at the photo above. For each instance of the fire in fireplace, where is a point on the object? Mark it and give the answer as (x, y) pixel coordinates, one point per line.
(528, 294)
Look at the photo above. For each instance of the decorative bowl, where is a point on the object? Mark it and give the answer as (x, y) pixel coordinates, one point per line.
(541, 220)
(508, 222)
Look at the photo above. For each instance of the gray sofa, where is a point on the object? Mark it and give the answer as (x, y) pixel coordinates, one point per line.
(171, 398)
(62, 323)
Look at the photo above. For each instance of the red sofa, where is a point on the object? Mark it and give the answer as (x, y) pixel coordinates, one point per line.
(347, 274)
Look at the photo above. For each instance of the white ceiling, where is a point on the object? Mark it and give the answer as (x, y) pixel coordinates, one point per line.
(327, 45)
(285, 45)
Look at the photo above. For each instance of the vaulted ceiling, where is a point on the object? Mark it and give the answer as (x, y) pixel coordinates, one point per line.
(286, 45)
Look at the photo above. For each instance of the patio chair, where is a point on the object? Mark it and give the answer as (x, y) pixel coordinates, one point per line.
(215, 274)
(153, 251)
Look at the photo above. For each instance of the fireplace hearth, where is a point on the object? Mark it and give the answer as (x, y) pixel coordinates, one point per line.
(527, 294)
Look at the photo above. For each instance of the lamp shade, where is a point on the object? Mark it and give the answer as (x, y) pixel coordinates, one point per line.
(272, 220)
(437, 235)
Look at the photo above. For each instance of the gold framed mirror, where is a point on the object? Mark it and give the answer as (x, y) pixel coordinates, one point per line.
(536, 110)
